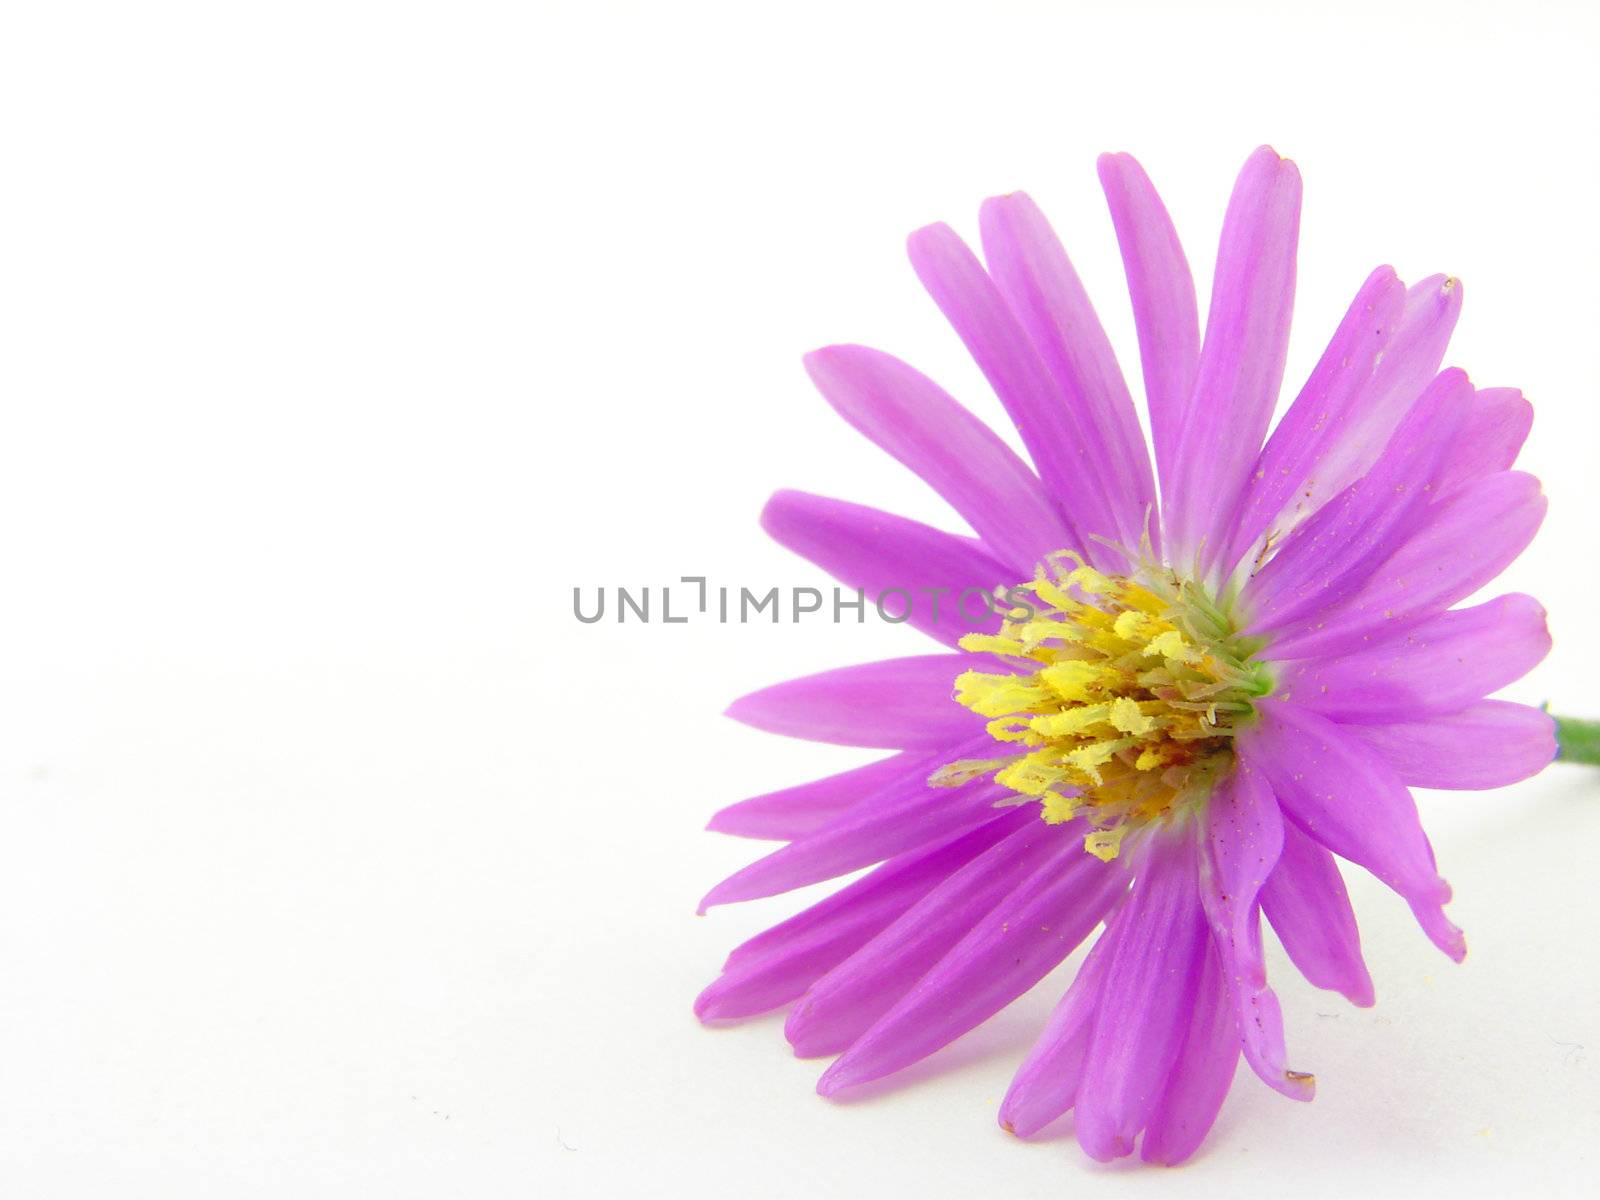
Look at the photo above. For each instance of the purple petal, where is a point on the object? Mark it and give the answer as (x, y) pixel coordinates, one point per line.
(895, 704)
(1201, 1075)
(848, 1001)
(1486, 745)
(1497, 424)
(1036, 278)
(777, 965)
(1442, 665)
(1014, 946)
(1244, 836)
(934, 576)
(1046, 1084)
(960, 457)
(1148, 994)
(1347, 798)
(1330, 438)
(1306, 901)
(1241, 359)
(1073, 460)
(1162, 289)
(1468, 539)
(1285, 486)
(1330, 556)
(1410, 360)
(797, 811)
(904, 815)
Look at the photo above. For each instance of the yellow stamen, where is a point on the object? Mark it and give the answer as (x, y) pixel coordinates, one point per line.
(1058, 809)
(1104, 844)
(1137, 687)
(1127, 716)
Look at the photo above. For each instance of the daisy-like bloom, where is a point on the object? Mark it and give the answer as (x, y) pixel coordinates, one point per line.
(1202, 680)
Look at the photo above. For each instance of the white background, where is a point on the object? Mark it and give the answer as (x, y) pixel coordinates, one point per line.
(340, 342)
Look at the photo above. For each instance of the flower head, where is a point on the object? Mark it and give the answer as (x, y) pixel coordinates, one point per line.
(1204, 681)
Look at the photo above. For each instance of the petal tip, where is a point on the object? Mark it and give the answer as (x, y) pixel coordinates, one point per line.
(1007, 201)
(1299, 1085)
(705, 1004)
(825, 362)
(710, 900)
(1268, 158)
(1113, 161)
(797, 1032)
(1439, 928)
(816, 362)
(740, 710)
(778, 505)
(1164, 1152)
(929, 238)
(1019, 1125)
(1445, 291)
(831, 1083)
(1107, 1150)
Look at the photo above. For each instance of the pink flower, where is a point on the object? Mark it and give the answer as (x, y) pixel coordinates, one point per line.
(1188, 702)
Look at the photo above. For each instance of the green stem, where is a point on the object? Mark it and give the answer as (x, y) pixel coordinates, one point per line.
(1579, 740)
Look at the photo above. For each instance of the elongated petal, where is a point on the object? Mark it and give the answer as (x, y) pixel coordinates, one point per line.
(1350, 407)
(1331, 556)
(1070, 452)
(1306, 901)
(1468, 540)
(1241, 359)
(777, 965)
(1410, 360)
(1148, 994)
(1442, 665)
(849, 999)
(1046, 1084)
(941, 582)
(906, 814)
(1347, 798)
(1013, 947)
(1486, 745)
(1282, 490)
(1497, 424)
(910, 874)
(896, 704)
(1244, 836)
(1036, 278)
(1201, 1075)
(961, 458)
(796, 811)
(1162, 289)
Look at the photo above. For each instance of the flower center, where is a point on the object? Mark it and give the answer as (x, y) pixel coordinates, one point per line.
(1122, 699)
